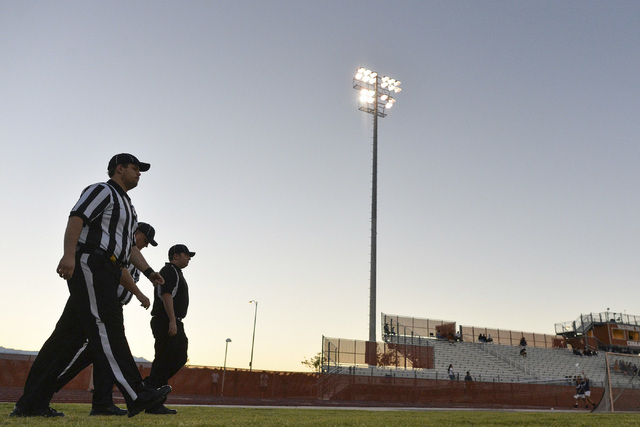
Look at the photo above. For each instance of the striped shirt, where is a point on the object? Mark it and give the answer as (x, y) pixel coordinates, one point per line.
(125, 296)
(109, 220)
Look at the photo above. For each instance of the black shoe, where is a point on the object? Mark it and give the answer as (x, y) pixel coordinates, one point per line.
(48, 413)
(148, 399)
(161, 410)
(109, 410)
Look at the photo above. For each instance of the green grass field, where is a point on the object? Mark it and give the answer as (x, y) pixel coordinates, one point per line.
(77, 415)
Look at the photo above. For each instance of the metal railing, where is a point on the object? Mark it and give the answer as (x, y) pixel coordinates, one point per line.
(585, 321)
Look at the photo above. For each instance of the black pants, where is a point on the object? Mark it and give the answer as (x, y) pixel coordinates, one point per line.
(92, 313)
(171, 352)
(103, 383)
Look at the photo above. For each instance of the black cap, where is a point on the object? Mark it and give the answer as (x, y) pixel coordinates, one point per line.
(148, 231)
(179, 249)
(125, 158)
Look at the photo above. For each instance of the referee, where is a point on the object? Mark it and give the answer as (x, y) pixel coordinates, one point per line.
(98, 244)
(170, 305)
(102, 399)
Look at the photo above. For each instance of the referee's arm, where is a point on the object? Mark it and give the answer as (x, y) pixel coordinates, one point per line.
(71, 235)
(141, 264)
(167, 301)
(129, 284)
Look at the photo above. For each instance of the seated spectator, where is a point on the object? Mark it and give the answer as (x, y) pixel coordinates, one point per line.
(458, 336)
(468, 377)
(386, 329)
(523, 342)
(523, 352)
(481, 338)
(489, 339)
(577, 352)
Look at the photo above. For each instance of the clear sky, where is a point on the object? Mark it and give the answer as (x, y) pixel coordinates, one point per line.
(508, 168)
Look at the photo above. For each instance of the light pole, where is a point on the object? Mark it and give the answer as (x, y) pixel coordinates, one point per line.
(375, 98)
(255, 316)
(224, 369)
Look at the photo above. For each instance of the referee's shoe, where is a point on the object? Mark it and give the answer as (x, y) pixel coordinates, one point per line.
(148, 399)
(109, 410)
(48, 413)
(161, 410)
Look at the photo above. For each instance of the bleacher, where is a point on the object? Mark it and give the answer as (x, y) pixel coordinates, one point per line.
(483, 365)
(489, 362)
(549, 360)
(551, 364)
(503, 363)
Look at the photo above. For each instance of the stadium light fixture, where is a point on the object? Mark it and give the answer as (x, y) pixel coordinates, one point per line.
(255, 316)
(375, 98)
(224, 369)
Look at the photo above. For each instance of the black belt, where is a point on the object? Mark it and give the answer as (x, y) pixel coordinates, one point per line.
(159, 316)
(111, 257)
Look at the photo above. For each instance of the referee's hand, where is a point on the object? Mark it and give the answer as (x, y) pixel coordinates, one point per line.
(173, 328)
(144, 301)
(156, 278)
(66, 267)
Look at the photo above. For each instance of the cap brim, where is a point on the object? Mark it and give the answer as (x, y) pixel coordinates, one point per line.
(152, 242)
(191, 253)
(144, 167)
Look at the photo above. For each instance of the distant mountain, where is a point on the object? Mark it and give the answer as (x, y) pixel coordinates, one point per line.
(13, 351)
(33, 353)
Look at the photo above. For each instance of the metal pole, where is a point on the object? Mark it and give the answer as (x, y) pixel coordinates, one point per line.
(224, 369)
(255, 316)
(374, 221)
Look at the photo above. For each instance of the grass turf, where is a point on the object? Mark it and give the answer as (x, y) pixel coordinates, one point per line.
(78, 415)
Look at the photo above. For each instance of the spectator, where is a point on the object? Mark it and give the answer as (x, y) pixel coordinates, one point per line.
(523, 342)
(468, 377)
(452, 375)
(489, 339)
(523, 352)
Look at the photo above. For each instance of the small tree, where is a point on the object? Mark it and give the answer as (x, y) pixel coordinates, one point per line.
(314, 363)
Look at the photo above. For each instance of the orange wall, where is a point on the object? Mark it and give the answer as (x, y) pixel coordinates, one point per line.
(239, 383)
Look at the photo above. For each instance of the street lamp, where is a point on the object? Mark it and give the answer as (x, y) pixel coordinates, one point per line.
(255, 316)
(224, 369)
(375, 98)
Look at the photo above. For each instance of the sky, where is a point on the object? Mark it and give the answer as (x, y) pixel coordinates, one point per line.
(507, 169)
